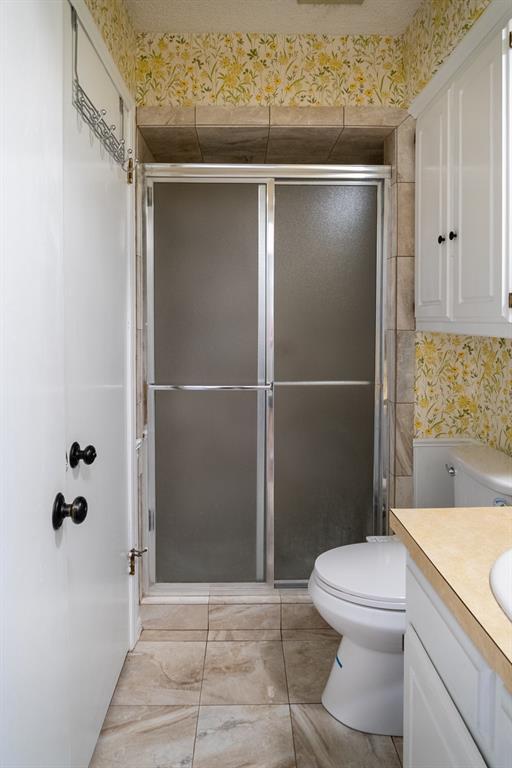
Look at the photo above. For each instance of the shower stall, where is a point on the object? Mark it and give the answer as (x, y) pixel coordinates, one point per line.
(266, 441)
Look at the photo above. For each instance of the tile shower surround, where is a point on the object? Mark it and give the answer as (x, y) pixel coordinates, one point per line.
(398, 152)
(206, 697)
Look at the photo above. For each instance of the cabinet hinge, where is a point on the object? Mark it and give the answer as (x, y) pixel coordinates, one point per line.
(510, 300)
(151, 519)
(510, 39)
(150, 197)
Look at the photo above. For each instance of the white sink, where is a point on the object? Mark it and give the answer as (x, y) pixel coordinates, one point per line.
(501, 581)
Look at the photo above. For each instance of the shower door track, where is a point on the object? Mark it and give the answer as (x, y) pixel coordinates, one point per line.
(266, 176)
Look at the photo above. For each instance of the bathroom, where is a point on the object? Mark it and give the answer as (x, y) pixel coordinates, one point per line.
(257, 345)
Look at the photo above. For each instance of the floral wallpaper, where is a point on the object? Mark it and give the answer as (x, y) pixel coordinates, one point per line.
(435, 30)
(250, 68)
(464, 387)
(116, 27)
(261, 69)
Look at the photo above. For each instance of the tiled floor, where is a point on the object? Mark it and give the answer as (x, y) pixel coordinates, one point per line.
(235, 698)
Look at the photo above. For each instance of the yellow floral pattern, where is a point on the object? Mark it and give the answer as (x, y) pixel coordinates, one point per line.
(436, 28)
(262, 69)
(464, 387)
(115, 25)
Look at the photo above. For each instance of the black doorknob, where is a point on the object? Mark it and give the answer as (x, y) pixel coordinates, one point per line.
(441, 239)
(87, 455)
(452, 235)
(77, 510)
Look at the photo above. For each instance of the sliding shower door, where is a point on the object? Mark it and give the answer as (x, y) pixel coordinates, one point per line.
(207, 383)
(324, 370)
(264, 350)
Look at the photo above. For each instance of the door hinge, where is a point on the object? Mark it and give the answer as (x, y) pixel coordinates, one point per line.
(151, 519)
(510, 300)
(132, 554)
(129, 171)
(510, 39)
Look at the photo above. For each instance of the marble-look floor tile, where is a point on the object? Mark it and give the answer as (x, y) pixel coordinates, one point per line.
(248, 736)
(307, 668)
(146, 737)
(323, 742)
(245, 616)
(174, 616)
(161, 673)
(174, 635)
(310, 634)
(244, 673)
(244, 635)
(399, 746)
(241, 599)
(295, 596)
(301, 616)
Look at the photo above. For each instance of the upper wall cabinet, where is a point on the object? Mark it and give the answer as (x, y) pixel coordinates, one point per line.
(463, 197)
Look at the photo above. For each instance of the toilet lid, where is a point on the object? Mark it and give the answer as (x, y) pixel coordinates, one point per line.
(372, 571)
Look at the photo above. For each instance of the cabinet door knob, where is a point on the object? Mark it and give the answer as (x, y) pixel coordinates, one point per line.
(77, 510)
(87, 455)
(452, 235)
(441, 239)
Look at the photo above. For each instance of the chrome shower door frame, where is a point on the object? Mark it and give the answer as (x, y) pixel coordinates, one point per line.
(266, 176)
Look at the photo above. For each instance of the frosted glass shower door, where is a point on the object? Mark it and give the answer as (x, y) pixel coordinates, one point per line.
(324, 370)
(207, 391)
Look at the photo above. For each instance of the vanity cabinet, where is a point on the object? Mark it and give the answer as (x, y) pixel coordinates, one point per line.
(458, 713)
(463, 198)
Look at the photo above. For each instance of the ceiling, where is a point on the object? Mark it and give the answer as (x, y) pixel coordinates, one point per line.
(381, 17)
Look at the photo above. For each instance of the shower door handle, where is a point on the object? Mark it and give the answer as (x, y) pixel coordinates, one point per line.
(212, 387)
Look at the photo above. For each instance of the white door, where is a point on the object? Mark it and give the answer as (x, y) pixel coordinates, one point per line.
(435, 735)
(432, 264)
(475, 220)
(96, 285)
(34, 653)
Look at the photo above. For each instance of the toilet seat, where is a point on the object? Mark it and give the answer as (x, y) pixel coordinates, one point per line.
(370, 574)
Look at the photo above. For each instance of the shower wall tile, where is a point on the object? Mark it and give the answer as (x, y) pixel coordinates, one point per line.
(226, 115)
(391, 265)
(304, 116)
(394, 221)
(405, 144)
(164, 115)
(405, 362)
(390, 154)
(390, 351)
(405, 293)
(174, 616)
(375, 116)
(404, 436)
(403, 493)
(405, 225)
(244, 617)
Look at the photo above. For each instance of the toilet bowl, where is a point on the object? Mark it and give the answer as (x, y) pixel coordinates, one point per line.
(359, 589)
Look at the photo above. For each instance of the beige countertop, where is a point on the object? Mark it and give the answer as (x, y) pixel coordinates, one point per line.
(455, 549)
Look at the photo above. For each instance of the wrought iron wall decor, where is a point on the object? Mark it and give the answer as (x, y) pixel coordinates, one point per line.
(94, 117)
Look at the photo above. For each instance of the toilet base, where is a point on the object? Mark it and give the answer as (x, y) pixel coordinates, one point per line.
(365, 689)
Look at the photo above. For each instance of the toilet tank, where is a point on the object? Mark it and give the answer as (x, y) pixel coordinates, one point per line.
(482, 476)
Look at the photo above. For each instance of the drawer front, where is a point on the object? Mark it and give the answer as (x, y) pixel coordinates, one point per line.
(468, 679)
(435, 735)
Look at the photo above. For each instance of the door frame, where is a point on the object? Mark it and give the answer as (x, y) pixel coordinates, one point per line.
(269, 176)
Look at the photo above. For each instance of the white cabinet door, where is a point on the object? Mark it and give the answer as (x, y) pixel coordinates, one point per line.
(475, 220)
(96, 271)
(432, 276)
(34, 653)
(435, 735)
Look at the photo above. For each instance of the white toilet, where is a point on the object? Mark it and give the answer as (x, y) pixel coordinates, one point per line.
(359, 590)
